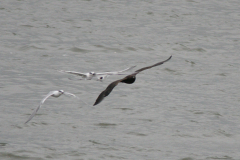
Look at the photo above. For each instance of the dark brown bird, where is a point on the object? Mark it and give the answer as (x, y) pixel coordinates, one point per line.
(129, 79)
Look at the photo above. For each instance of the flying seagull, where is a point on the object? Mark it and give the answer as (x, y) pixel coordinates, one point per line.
(129, 79)
(99, 76)
(53, 94)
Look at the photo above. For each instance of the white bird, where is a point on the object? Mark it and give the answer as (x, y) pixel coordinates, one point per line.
(99, 76)
(53, 94)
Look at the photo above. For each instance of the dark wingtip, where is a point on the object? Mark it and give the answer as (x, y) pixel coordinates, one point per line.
(168, 59)
(97, 102)
(100, 98)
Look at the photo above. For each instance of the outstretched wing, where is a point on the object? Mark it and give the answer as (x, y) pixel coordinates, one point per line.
(157, 64)
(127, 69)
(115, 72)
(42, 101)
(75, 73)
(70, 94)
(106, 92)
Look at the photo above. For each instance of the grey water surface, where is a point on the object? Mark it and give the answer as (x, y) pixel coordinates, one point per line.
(185, 109)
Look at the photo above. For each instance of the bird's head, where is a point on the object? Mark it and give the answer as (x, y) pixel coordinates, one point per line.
(61, 91)
(102, 77)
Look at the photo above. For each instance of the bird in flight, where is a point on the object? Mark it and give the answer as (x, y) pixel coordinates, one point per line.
(129, 79)
(99, 76)
(53, 94)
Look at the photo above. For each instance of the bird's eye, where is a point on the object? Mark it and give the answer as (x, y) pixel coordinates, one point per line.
(101, 77)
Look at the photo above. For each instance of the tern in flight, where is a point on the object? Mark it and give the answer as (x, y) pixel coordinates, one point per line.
(53, 94)
(129, 79)
(99, 76)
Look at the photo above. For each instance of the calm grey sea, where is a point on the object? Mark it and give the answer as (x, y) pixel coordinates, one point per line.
(185, 109)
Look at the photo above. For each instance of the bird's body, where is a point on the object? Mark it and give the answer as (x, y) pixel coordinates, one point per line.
(100, 76)
(53, 94)
(129, 79)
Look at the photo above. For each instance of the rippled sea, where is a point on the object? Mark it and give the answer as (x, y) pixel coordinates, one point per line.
(185, 109)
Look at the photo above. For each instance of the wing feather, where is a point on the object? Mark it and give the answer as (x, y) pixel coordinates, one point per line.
(115, 72)
(70, 94)
(106, 92)
(157, 64)
(42, 101)
(75, 73)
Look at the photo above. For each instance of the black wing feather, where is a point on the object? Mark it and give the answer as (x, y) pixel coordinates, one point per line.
(106, 92)
(157, 64)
